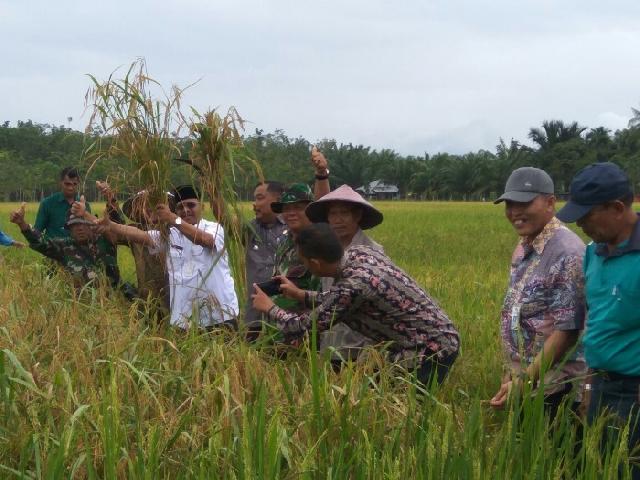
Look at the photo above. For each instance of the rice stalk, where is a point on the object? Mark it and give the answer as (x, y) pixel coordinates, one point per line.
(138, 127)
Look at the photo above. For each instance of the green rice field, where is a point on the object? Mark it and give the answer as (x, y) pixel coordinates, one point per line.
(91, 387)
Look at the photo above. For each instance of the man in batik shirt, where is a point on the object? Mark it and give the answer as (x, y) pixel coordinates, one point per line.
(374, 297)
(543, 311)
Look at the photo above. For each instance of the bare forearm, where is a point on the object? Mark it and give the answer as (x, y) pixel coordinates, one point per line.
(321, 188)
(197, 236)
(131, 234)
(555, 348)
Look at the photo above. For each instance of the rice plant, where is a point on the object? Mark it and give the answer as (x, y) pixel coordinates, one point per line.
(138, 127)
(91, 388)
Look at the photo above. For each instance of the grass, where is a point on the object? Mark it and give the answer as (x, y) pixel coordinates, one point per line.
(89, 388)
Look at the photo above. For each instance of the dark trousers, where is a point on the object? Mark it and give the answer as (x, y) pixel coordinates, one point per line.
(619, 395)
(434, 369)
(552, 402)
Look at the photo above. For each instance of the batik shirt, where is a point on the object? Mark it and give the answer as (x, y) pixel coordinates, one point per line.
(83, 261)
(376, 298)
(545, 293)
(288, 264)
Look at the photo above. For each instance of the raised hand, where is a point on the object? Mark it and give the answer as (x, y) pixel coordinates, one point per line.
(105, 189)
(79, 207)
(17, 216)
(319, 161)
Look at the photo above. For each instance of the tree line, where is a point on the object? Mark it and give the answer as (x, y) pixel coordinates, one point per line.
(32, 154)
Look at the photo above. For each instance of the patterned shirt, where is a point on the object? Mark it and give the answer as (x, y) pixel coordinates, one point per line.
(545, 293)
(83, 261)
(288, 263)
(376, 298)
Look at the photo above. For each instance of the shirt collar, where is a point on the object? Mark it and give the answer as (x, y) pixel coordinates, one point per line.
(543, 237)
(632, 245)
(279, 220)
(357, 238)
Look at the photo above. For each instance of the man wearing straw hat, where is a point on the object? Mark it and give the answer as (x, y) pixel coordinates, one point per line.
(372, 295)
(348, 214)
(200, 281)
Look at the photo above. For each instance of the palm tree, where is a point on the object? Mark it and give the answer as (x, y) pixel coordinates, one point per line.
(554, 132)
(635, 120)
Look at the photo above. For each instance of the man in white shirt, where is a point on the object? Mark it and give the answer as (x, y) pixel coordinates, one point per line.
(200, 282)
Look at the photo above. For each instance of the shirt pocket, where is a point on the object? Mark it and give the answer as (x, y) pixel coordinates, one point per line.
(625, 307)
(618, 304)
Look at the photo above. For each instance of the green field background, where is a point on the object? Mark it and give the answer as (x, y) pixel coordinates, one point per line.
(90, 388)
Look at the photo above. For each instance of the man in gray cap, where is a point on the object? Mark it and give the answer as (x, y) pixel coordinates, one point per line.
(543, 311)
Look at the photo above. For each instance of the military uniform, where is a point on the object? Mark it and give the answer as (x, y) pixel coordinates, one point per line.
(287, 261)
(84, 262)
(288, 264)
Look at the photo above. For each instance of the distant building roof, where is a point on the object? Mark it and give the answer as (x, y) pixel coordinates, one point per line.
(379, 186)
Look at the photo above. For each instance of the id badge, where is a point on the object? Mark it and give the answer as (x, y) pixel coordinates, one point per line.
(515, 318)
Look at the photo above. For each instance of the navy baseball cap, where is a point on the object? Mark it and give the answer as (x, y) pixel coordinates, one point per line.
(594, 185)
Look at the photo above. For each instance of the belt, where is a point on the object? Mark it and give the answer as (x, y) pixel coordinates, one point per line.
(614, 376)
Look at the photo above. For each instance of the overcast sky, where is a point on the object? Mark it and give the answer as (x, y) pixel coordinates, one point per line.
(415, 76)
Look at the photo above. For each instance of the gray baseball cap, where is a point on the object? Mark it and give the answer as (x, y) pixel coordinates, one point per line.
(525, 184)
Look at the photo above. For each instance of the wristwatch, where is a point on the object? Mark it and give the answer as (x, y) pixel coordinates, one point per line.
(178, 221)
(323, 177)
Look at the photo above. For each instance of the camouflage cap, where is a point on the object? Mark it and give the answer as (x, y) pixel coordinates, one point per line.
(296, 192)
(73, 220)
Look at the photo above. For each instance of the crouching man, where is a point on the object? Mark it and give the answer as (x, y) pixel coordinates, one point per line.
(374, 297)
(201, 288)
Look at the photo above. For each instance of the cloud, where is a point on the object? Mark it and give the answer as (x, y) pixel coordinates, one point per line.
(413, 76)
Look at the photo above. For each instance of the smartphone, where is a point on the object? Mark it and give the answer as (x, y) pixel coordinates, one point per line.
(270, 287)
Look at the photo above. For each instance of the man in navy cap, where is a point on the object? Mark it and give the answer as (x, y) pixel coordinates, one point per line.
(601, 198)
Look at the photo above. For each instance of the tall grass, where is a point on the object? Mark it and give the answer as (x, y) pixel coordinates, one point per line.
(90, 388)
(218, 159)
(141, 123)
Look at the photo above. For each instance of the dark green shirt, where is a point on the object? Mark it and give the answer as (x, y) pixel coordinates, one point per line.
(83, 261)
(289, 264)
(612, 286)
(52, 215)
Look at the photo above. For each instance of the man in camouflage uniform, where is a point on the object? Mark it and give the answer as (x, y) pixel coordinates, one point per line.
(292, 205)
(84, 255)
